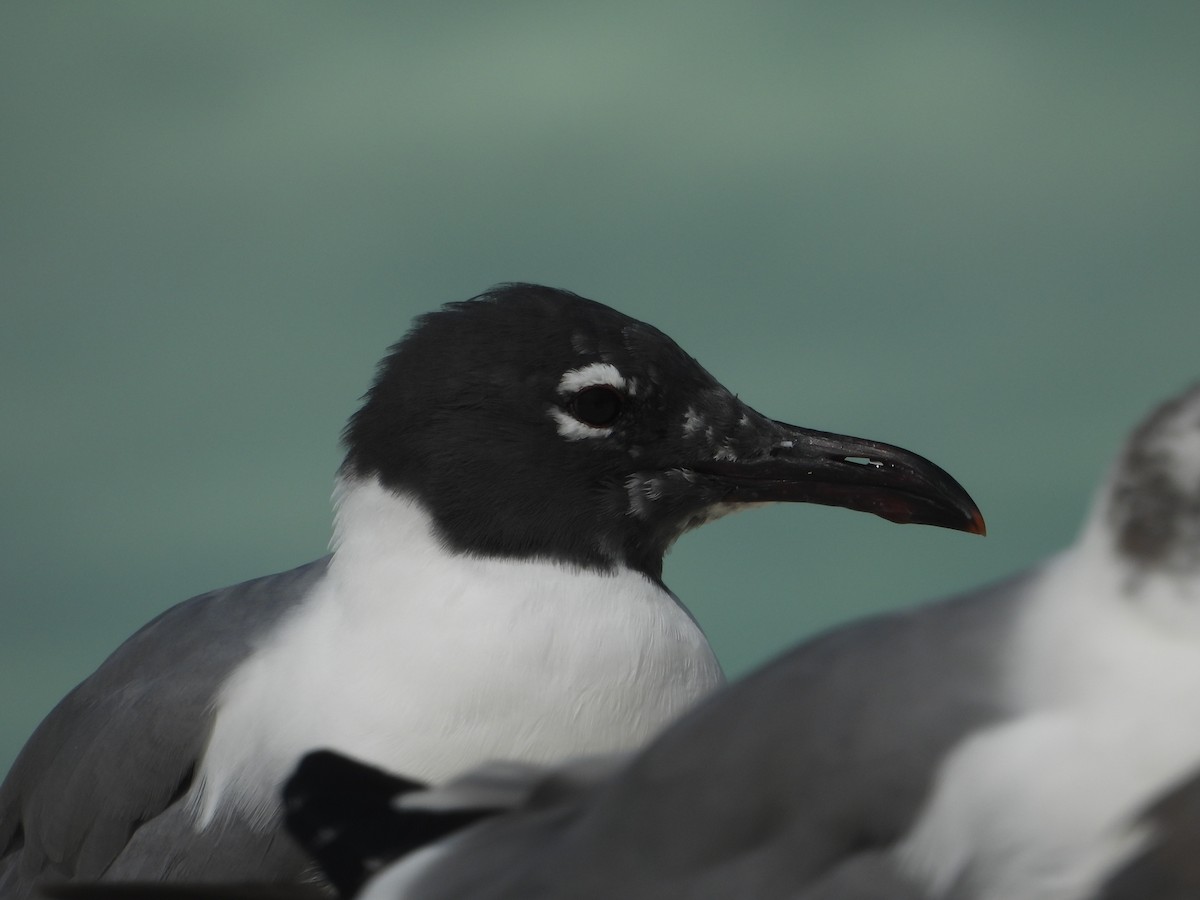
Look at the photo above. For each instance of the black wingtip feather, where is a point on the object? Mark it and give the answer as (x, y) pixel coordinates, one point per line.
(343, 814)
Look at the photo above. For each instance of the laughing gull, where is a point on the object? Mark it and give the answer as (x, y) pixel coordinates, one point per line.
(1008, 743)
(512, 480)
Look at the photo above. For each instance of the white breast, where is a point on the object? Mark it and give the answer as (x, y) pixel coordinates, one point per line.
(427, 663)
(1106, 684)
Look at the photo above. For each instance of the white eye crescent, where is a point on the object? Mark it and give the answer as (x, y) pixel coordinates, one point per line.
(593, 397)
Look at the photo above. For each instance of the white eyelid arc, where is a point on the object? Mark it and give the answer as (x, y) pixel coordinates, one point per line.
(592, 375)
(572, 429)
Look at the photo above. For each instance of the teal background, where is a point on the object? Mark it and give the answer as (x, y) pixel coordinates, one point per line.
(969, 229)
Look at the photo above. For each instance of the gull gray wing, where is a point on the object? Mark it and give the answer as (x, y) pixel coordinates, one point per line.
(87, 795)
(1166, 865)
(157, 890)
(795, 782)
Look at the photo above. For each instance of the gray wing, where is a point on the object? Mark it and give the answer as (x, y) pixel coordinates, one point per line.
(1168, 866)
(511, 784)
(145, 890)
(94, 791)
(794, 782)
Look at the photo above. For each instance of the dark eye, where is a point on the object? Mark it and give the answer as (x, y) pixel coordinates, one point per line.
(597, 406)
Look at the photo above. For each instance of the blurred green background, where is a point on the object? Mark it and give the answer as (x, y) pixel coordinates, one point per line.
(969, 229)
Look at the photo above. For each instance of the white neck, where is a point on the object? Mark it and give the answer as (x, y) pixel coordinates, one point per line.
(428, 662)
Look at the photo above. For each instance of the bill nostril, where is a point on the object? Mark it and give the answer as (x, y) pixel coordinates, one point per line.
(863, 461)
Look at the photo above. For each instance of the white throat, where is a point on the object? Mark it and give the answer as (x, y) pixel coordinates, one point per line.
(428, 662)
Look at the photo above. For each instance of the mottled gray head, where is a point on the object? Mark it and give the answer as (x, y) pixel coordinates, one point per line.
(1154, 503)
